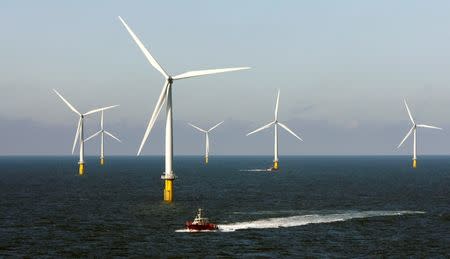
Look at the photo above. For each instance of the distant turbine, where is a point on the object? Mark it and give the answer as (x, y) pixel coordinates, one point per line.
(80, 129)
(166, 96)
(276, 123)
(102, 131)
(413, 130)
(207, 138)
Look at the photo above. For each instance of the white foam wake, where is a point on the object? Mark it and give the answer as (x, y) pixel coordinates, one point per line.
(294, 221)
(254, 170)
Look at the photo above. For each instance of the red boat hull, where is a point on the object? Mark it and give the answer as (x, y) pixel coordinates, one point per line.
(200, 227)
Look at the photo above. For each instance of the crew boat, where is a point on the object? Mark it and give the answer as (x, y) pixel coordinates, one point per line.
(200, 223)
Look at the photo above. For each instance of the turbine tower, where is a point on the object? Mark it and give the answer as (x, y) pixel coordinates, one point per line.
(414, 131)
(166, 97)
(207, 138)
(79, 135)
(276, 123)
(102, 131)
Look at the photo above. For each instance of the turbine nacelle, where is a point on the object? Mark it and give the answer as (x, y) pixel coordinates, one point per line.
(165, 92)
(276, 122)
(414, 127)
(79, 131)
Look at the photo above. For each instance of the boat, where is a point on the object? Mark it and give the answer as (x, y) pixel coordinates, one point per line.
(200, 223)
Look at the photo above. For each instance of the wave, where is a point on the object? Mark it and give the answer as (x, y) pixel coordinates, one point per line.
(300, 220)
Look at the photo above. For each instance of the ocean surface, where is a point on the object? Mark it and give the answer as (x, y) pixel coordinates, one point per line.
(368, 206)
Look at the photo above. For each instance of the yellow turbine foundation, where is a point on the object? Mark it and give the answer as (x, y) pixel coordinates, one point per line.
(414, 163)
(168, 190)
(102, 161)
(206, 159)
(81, 169)
(275, 165)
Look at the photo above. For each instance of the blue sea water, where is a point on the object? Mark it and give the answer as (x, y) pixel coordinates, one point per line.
(313, 206)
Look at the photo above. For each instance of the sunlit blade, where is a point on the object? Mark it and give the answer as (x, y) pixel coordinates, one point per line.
(407, 135)
(202, 130)
(95, 134)
(100, 109)
(68, 104)
(428, 126)
(207, 72)
(217, 125)
(147, 54)
(158, 107)
(276, 106)
(288, 130)
(263, 127)
(112, 136)
(76, 135)
(409, 113)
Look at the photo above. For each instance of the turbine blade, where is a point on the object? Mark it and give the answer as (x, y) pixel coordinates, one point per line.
(207, 72)
(276, 106)
(288, 130)
(202, 130)
(263, 127)
(76, 135)
(68, 104)
(217, 125)
(100, 109)
(428, 126)
(409, 113)
(159, 105)
(112, 136)
(95, 134)
(147, 54)
(407, 135)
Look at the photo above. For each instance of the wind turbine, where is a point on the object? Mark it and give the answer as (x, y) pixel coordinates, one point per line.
(276, 123)
(79, 135)
(102, 131)
(414, 131)
(207, 138)
(166, 97)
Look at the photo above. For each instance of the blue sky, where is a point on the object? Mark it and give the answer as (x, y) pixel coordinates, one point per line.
(343, 68)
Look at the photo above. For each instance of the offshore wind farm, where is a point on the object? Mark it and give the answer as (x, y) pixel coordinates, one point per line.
(324, 178)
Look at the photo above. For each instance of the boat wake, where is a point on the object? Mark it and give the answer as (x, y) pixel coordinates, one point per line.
(300, 220)
(254, 170)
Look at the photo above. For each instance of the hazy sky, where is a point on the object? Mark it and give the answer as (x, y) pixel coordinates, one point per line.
(343, 68)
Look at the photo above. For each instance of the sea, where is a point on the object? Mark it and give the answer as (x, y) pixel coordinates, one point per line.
(314, 206)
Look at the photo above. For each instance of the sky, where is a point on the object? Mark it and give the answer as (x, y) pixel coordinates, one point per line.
(343, 68)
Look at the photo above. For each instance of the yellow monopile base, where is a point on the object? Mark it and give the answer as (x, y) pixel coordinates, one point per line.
(414, 163)
(275, 165)
(81, 169)
(102, 161)
(168, 190)
(206, 159)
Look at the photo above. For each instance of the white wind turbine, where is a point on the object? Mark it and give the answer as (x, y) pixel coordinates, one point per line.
(276, 123)
(414, 131)
(166, 97)
(79, 135)
(102, 131)
(207, 138)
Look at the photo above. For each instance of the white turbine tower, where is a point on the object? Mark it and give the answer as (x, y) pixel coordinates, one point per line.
(79, 135)
(102, 131)
(414, 131)
(166, 97)
(276, 123)
(207, 138)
